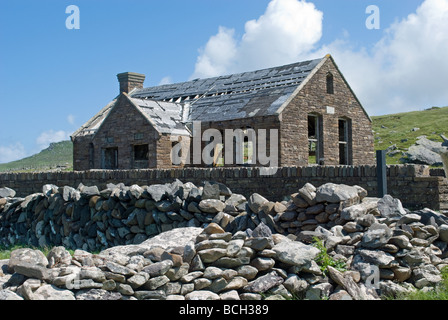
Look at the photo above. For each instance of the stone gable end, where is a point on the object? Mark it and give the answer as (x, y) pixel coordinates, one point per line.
(341, 104)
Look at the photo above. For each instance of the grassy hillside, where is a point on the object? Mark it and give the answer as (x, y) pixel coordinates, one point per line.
(402, 129)
(58, 156)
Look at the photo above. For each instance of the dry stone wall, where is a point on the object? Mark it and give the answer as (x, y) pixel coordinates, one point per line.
(416, 186)
(186, 242)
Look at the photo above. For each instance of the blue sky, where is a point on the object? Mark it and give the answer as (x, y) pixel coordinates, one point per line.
(54, 79)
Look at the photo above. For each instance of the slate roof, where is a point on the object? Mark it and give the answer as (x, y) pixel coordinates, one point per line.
(166, 117)
(237, 96)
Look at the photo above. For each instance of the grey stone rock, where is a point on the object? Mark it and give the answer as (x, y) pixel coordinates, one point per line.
(87, 191)
(50, 189)
(264, 283)
(97, 295)
(138, 280)
(401, 274)
(230, 263)
(211, 255)
(125, 289)
(26, 255)
(230, 295)
(428, 215)
(211, 206)
(156, 282)
(210, 191)
(159, 268)
(409, 218)
(308, 193)
(295, 285)
(32, 270)
(202, 295)
(157, 191)
(7, 193)
(346, 281)
(378, 258)
(334, 193)
(189, 277)
(250, 296)
(262, 263)
(117, 268)
(391, 289)
(70, 194)
(390, 207)
(256, 201)
(247, 271)
(426, 276)
(401, 241)
(443, 232)
(236, 283)
(424, 151)
(353, 212)
(234, 201)
(195, 195)
(262, 230)
(9, 295)
(376, 236)
(212, 273)
(319, 291)
(50, 292)
(295, 253)
(150, 295)
(59, 257)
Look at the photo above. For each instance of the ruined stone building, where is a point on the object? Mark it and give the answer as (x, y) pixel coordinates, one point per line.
(316, 116)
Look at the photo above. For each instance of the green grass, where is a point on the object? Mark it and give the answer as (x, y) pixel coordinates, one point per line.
(57, 155)
(324, 260)
(440, 292)
(5, 252)
(397, 128)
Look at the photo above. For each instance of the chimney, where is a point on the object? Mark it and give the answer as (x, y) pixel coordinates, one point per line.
(130, 80)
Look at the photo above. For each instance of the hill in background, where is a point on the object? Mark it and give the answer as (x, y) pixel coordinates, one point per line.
(400, 131)
(58, 156)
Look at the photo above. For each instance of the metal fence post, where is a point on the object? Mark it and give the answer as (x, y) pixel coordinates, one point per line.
(381, 172)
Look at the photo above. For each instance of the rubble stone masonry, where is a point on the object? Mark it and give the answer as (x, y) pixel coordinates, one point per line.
(415, 185)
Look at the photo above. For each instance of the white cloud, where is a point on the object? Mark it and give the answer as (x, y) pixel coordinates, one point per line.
(165, 80)
(287, 30)
(71, 119)
(50, 136)
(405, 70)
(12, 152)
(218, 56)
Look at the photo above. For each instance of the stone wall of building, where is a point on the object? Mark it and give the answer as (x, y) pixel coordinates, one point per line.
(414, 185)
(342, 104)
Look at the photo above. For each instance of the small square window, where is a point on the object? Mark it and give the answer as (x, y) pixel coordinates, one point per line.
(138, 136)
(141, 152)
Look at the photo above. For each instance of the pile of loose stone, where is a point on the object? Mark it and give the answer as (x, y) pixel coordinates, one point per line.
(264, 250)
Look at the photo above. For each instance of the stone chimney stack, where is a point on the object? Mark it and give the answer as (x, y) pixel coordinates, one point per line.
(130, 80)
